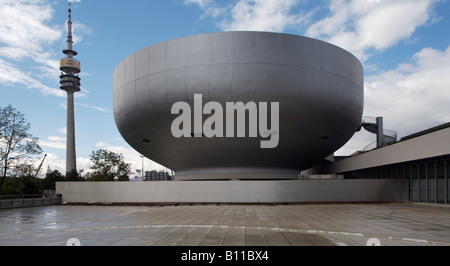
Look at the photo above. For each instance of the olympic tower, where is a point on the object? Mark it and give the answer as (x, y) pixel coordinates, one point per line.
(70, 82)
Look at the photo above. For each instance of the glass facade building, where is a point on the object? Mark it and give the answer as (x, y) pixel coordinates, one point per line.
(428, 178)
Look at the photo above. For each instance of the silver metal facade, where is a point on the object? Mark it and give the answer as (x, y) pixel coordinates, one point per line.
(319, 88)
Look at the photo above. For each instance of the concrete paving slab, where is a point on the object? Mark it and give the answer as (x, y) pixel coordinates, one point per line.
(227, 225)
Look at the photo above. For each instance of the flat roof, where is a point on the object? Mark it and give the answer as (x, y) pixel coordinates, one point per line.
(430, 145)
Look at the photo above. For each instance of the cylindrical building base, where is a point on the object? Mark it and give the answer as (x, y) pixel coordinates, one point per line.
(239, 173)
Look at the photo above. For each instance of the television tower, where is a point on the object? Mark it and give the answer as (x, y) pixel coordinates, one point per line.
(70, 82)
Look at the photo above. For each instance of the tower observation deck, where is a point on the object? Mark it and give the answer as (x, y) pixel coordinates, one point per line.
(70, 67)
(70, 82)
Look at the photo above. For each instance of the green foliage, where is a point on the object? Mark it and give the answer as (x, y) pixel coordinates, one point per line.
(99, 177)
(31, 185)
(16, 143)
(49, 182)
(22, 185)
(11, 186)
(24, 168)
(108, 166)
(123, 179)
(73, 176)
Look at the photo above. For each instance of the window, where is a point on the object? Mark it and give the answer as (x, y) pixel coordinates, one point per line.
(440, 182)
(431, 167)
(415, 183)
(447, 180)
(422, 183)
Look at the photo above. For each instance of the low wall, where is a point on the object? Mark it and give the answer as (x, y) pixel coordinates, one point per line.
(28, 202)
(296, 191)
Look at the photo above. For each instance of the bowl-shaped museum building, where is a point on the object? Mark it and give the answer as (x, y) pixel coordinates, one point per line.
(238, 105)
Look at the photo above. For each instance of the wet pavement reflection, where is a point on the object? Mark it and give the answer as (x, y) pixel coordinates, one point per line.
(228, 225)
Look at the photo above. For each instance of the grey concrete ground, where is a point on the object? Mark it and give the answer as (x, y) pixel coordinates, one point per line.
(227, 225)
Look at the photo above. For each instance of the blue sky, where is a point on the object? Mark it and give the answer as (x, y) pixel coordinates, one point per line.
(403, 45)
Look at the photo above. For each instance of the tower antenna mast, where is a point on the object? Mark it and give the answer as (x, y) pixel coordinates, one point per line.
(70, 83)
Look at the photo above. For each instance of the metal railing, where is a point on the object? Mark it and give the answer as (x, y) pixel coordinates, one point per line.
(371, 125)
(31, 200)
(29, 196)
(369, 120)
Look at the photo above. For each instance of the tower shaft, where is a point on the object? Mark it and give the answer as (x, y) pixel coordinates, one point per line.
(71, 160)
(70, 82)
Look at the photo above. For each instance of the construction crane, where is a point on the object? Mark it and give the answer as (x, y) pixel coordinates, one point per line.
(40, 166)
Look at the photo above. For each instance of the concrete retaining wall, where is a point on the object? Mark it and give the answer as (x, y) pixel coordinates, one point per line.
(296, 191)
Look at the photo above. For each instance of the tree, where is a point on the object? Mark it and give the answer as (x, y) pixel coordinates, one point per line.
(51, 178)
(108, 166)
(21, 185)
(31, 185)
(123, 178)
(16, 142)
(73, 176)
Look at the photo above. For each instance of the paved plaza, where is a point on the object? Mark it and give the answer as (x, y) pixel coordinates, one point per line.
(228, 225)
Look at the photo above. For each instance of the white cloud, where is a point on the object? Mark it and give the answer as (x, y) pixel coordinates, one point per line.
(80, 30)
(253, 15)
(15, 53)
(56, 138)
(53, 162)
(359, 141)
(131, 156)
(52, 144)
(62, 130)
(83, 164)
(262, 15)
(97, 108)
(101, 109)
(201, 3)
(359, 26)
(11, 74)
(26, 39)
(413, 97)
(23, 24)
(210, 9)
